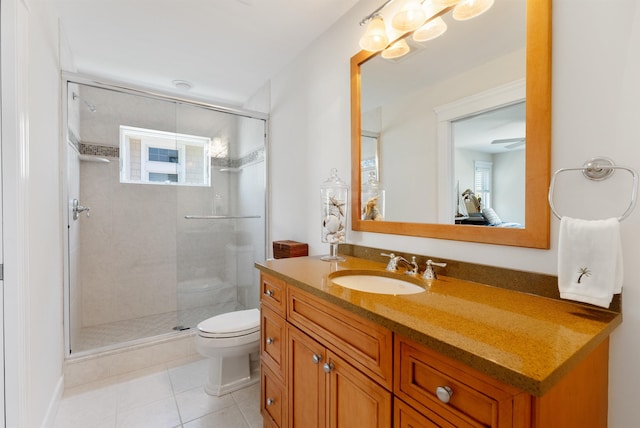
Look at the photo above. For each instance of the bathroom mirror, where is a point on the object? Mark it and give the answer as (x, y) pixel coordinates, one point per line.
(527, 76)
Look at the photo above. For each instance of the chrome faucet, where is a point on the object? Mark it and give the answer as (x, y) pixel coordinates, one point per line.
(429, 273)
(392, 266)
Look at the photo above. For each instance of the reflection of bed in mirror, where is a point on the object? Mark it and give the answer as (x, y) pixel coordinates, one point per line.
(470, 211)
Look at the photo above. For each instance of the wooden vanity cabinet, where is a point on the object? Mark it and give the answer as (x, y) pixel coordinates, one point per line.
(324, 366)
(335, 368)
(273, 341)
(448, 393)
(578, 399)
(327, 391)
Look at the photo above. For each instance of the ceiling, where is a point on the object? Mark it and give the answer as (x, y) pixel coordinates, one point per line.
(227, 49)
(495, 131)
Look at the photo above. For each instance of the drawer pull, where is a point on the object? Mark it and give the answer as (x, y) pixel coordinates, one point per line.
(316, 358)
(444, 393)
(270, 401)
(268, 293)
(327, 367)
(270, 340)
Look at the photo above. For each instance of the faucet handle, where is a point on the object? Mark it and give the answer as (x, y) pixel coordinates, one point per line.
(414, 267)
(429, 273)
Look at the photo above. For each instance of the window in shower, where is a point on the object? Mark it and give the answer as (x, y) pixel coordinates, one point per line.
(158, 157)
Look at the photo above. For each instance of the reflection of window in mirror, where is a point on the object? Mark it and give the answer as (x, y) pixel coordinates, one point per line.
(483, 173)
(370, 153)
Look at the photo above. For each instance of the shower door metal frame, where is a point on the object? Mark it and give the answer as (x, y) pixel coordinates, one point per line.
(85, 79)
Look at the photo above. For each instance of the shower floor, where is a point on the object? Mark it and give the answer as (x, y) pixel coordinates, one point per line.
(120, 333)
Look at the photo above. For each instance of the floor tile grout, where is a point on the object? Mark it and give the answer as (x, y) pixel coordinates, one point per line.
(194, 375)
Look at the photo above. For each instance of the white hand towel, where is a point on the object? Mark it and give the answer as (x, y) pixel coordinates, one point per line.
(589, 260)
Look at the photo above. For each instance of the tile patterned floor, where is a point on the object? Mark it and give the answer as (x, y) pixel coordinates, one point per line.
(168, 398)
(107, 335)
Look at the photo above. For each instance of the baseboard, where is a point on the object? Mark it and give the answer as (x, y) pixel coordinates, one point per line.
(50, 417)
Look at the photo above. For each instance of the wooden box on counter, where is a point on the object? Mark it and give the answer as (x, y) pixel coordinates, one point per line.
(286, 249)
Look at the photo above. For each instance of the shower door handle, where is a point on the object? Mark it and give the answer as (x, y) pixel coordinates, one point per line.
(77, 209)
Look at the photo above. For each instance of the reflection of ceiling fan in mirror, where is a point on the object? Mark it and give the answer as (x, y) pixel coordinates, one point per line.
(512, 143)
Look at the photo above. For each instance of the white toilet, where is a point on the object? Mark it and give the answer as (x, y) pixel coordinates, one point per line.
(231, 341)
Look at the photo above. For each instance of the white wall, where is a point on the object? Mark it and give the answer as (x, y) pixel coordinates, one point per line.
(595, 112)
(34, 358)
(508, 182)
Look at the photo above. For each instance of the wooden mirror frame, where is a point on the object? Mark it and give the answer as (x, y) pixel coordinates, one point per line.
(538, 151)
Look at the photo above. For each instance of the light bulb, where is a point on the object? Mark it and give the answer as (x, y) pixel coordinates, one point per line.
(444, 3)
(396, 50)
(375, 38)
(432, 29)
(410, 16)
(468, 9)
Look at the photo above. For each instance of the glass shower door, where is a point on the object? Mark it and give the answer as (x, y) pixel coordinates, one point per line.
(221, 228)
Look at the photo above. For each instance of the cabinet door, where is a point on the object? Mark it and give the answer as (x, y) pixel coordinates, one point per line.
(354, 399)
(306, 381)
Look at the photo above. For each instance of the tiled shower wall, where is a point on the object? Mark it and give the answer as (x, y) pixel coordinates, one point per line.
(137, 249)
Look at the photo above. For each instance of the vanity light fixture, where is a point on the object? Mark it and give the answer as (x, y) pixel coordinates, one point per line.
(410, 16)
(421, 16)
(375, 38)
(429, 31)
(468, 9)
(444, 3)
(396, 50)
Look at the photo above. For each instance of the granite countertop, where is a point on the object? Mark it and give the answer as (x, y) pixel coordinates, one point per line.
(523, 340)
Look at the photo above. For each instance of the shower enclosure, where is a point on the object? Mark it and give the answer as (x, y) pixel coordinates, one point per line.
(166, 214)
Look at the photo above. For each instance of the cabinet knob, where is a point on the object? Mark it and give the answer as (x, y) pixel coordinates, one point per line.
(316, 358)
(270, 401)
(444, 393)
(327, 367)
(268, 293)
(270, 340)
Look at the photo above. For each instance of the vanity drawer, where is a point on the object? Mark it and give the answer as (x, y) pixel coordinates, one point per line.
(405, 416)
(273, 404)
(475, 399)
(273, 292)
(364, 344)
(272, 342)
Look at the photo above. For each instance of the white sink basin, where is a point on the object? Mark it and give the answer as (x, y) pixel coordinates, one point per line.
(377, 284)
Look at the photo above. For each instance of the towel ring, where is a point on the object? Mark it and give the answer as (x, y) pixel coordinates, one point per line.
(598, 169)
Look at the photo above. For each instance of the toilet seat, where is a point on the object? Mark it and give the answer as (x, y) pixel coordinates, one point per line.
(231, 324)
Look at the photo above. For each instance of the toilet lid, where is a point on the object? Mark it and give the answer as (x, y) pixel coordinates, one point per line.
(236, 323)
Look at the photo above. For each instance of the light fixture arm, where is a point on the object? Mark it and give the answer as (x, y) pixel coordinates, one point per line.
(369, 17)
